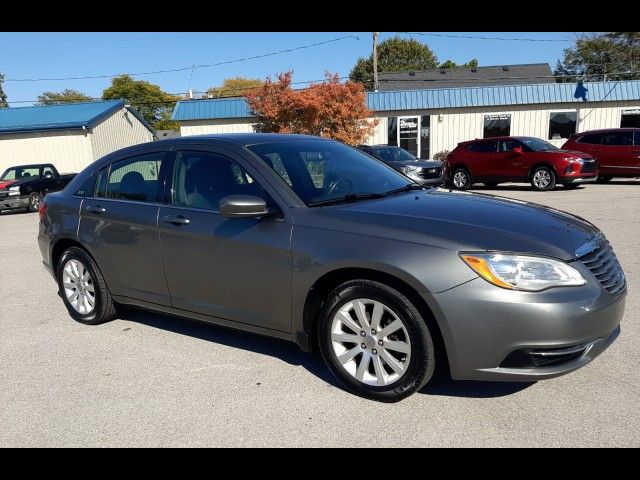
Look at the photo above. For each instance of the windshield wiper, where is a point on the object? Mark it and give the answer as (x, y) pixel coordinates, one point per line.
(349, 197)
(407, 188)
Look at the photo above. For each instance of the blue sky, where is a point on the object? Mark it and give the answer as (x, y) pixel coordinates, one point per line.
(52, 55)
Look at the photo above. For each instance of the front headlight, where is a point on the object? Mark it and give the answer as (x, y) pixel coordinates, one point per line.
(523, 272)
(14, 191)
(410, 169)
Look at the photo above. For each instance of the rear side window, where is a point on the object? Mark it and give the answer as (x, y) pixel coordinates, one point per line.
(484, 147)
(591, 138)
(636, 140)
(88, 187)
(618, 138)
(508, 145)
(136, 178)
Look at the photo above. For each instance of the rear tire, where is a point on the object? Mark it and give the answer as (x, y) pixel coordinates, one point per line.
(83, 288)
(460, 179)
(604, 179)
(34, 201)
(387, 366)
(543, 179)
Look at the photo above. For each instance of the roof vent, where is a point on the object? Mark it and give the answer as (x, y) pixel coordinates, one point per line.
(505, 68)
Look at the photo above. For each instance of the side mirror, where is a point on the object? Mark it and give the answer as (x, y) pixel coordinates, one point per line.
(48, 175)
(517, 150)
(243, 206)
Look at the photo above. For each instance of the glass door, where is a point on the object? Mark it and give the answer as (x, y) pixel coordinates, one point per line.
(409, 134)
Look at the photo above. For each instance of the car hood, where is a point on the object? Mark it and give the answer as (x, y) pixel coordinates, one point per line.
(485, 222)
(573, 152)
(418, 163)
(4, 184)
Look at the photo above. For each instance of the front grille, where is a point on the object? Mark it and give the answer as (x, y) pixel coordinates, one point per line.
(604, 265)
(4, 194)
(589, 166)
(430, 173)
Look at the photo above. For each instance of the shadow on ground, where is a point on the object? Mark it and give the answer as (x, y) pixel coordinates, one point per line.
(291, 354)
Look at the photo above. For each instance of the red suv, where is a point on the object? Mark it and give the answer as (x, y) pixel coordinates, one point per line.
(518, 159)
(617, 151)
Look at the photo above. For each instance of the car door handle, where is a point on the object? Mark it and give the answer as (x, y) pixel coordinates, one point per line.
(177, 220)
(97, 209)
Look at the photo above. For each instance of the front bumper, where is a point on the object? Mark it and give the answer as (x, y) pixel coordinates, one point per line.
(483, 326)
(13, 202)
(427, 181)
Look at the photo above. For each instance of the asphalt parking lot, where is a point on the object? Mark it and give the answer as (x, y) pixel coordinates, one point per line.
(151, 380)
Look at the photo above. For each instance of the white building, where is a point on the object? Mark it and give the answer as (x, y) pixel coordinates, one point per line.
(431, 120)
(68, 136)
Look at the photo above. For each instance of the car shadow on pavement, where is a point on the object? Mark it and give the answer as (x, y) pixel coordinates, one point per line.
(286, 351)
(520, 188)
(446, 387)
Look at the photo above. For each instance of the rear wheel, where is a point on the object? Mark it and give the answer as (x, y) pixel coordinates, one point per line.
(460, 179)
(543, 179)
(83, 289)
(375, 341)
(34, 201)
(604, 179)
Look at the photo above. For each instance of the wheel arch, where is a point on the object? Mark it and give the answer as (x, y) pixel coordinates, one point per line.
(60, 246)
(541, 164)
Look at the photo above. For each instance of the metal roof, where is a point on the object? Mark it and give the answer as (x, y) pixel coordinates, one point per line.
(235, 107)
(55, 117)
(485, 96)
(458, 77)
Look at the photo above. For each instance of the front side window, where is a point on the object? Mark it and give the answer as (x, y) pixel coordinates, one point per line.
(20, 173)
(136, 178)
(394, 154)
(619, 139)
(47, 172)
(591, 139)
(497, 125)
(508, 145)
(320, 171)
(202, 179)
(536, 145)
(562, 125)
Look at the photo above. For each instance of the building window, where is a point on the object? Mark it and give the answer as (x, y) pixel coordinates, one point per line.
(562, 124)
(497, 125)
(392, 131)
(425, 131)
(630, 119)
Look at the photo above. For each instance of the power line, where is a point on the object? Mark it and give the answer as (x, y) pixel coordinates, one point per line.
(503, 39)
(182, 69)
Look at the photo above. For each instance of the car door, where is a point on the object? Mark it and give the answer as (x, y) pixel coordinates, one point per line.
(237, 269)
(635, 152)
(483, 161)
(118, 225)
(510, 165)
(51, 179)
(616, 155)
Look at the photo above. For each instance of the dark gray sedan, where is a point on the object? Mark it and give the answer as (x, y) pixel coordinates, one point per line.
(312, 241)
(425, 172)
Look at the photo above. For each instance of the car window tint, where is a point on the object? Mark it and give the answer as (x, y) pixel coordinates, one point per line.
(136, 178)
(88, 187)
(591, 138)
(508, 145)
(636, 140)
(29, 172)
(275, 162)
(618, 138)
(47, 172)
(202, 179)
(484, 147)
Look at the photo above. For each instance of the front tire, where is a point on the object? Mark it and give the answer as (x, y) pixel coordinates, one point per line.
(83, 288)
(34, 201)
(460, 179)
(543, 179)
(375, 342)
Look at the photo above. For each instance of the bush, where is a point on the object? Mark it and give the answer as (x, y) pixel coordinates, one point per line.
(442, 156)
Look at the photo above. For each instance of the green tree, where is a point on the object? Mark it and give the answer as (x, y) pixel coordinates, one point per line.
(3, 96)
(234, 87)
(473, 63)
(65, 96)
(394, 55)
(148, 98)
(610, 55)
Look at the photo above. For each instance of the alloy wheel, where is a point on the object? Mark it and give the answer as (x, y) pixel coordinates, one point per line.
(370, 342)
(459, 179)
(78, 286)
(542, 179)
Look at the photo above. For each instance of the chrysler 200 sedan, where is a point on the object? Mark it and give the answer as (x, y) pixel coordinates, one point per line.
(309, 240)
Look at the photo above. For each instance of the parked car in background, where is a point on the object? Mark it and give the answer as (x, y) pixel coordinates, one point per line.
(25, 186)
(617, 151)
(518, 159)
(385, 277)
(424, 172)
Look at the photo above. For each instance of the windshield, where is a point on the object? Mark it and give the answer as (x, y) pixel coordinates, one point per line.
(538, 145)
(394, 154)
(20, 172)
(319, 171)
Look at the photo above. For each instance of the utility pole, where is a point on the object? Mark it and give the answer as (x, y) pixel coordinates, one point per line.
(375, 61)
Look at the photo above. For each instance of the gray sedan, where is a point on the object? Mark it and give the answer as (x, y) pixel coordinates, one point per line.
(312, 241)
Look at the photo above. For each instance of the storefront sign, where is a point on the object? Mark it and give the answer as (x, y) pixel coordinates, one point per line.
(408, 127)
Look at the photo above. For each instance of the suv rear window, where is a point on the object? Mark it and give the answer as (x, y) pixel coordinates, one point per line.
(484, 147)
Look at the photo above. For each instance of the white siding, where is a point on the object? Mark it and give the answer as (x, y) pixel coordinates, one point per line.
(380, 135)
(593, 118)
(206, 127)
(69, 150)
(122, 129)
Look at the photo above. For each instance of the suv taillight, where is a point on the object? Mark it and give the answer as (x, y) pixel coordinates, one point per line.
(42, 209)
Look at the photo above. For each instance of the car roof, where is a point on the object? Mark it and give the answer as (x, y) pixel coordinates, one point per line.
(244, 138)
(607, 130)
(32, 165)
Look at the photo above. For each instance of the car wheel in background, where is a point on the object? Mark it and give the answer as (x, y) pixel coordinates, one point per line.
(34, 201)
(543, 179)
(83, 288)
(375, 341)
(460, 179)
(604, 179)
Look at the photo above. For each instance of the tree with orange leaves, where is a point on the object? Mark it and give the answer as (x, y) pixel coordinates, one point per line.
(329, 109)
